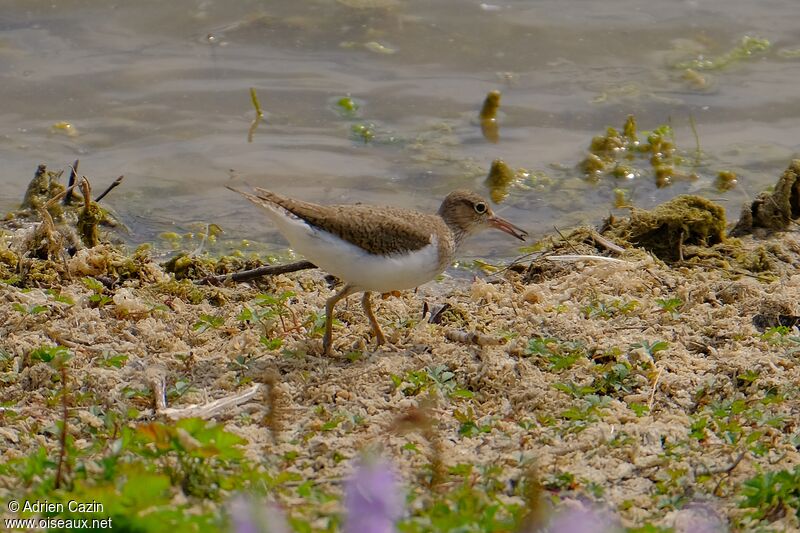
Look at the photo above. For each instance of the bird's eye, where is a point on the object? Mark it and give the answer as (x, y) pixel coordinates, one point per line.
(480, 208)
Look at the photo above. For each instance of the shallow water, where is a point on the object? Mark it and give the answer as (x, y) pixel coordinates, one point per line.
(158, 91)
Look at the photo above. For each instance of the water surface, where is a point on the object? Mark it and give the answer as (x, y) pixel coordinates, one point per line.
(158, 91)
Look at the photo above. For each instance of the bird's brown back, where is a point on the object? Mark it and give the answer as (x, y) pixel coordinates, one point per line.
(380, 230)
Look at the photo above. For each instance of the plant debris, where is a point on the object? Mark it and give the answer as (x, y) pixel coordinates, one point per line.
(774, 210)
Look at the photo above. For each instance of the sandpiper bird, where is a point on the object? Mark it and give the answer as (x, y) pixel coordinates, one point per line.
(378, 248)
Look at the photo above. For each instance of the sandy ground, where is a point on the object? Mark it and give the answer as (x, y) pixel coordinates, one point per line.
(638, 449)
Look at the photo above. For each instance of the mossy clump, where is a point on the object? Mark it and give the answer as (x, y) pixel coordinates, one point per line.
(773, 210)
(44, 186)
(757, 261)
(500, 177)
(8, 264)
(686, 220)
(183, 289)
(42, 273)
(187, 266)
(488, 116)
(88, 219)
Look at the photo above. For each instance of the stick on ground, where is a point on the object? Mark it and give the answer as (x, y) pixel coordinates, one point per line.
(247, 275)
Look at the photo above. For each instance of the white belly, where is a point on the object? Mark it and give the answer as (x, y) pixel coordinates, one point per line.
(356, 266)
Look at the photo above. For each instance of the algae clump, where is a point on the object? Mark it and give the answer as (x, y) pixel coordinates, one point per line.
(41, 189)
(488, 116)
(500, 177)
(683, 221)
(773, 210)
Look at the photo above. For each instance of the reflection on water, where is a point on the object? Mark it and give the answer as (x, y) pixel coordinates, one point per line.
(159, 92)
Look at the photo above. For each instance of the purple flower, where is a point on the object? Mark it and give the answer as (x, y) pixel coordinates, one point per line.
(250, 516)
(372, 498)
(576, 518)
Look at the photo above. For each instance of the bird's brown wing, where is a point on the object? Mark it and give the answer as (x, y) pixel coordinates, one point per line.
(380, 230)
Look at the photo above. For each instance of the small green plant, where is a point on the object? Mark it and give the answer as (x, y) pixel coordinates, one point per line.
(315, 324)
(113, 360)
(776, 334)
(560, 482)
(581, 416)
(53, 355)
(672, 306)
(206, 322)
(60, 298)
(31, 310)
(177, 390)
(651, 349)
(469, 426)
(614, 378)
(98, 298)
(266, 310)
(560, 355)
(438, 378)
(576, 391)
(771, 495)
(609, 309)
(271, 344)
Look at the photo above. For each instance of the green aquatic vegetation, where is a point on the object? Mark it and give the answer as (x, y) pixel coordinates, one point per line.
(500, 178)
(488, 117)
(363, 132)
(256, 103)
(746, 48)
(259, 115)
(726, 180)
(346, 107)
(624, 156)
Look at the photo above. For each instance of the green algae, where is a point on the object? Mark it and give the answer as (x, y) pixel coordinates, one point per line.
(630, 153)
(745, 49)
(789, 53)
(500, 178)
(488, 117)
(726, 180)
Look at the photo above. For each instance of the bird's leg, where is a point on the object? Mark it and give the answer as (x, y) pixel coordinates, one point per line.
(366, 303)
(332, 301)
